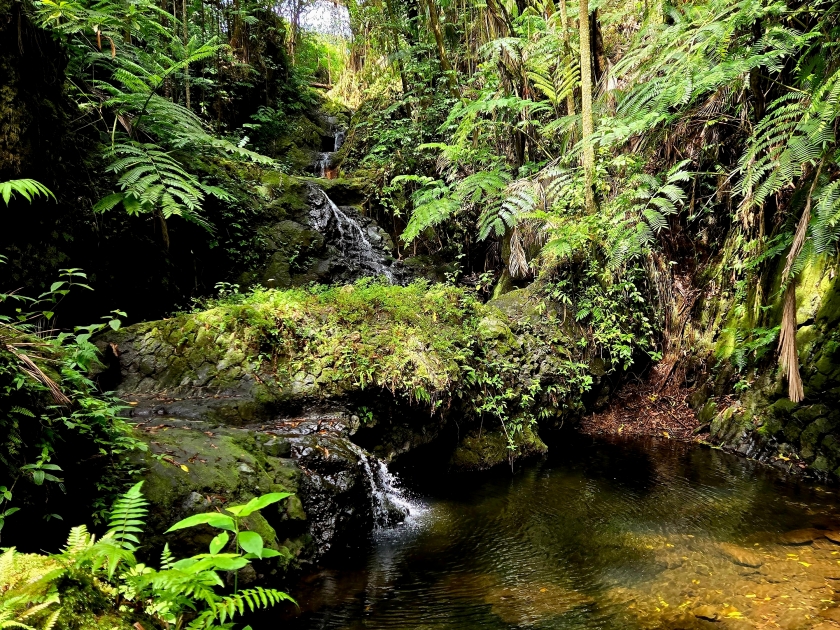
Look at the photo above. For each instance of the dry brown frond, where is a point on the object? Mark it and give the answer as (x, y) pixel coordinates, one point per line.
(29, 366)
(518, 260)
(788, 357)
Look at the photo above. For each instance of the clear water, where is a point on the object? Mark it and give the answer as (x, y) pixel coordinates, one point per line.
(607, 535)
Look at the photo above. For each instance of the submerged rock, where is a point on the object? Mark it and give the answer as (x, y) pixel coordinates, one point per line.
(741, 556)
(801, 536)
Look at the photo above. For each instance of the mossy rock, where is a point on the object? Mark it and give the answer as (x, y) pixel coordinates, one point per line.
(83, 605)
(707, 413)
(519, 304)
(728, 425)
(197, 470)
(480, 450)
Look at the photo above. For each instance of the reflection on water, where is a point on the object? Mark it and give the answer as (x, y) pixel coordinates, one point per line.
(602, 535)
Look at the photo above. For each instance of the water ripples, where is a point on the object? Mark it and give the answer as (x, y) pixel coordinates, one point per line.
(603, 535)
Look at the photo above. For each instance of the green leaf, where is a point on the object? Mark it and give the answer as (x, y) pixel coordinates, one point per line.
(230, 564)
(251, 542)
(258, 503)
(219, 542)
(213, 519)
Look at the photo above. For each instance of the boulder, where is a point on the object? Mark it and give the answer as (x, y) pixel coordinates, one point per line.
(740, 555)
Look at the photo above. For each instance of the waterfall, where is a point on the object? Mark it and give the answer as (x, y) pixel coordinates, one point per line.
(323, 159)
(361, 247)
(388, 501)
(322, 163)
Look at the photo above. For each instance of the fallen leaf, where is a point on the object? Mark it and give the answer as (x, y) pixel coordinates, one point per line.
(184, 468)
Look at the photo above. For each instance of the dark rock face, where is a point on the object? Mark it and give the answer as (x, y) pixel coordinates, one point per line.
(202, 467)
(326, 241)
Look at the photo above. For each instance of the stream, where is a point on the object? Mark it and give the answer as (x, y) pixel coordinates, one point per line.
(602, 534)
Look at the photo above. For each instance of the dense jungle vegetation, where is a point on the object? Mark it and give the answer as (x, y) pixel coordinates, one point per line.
(662, 174)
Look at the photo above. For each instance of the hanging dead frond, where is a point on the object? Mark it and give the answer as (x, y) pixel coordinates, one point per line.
(788, 353)
(29, 366)
(518, 264)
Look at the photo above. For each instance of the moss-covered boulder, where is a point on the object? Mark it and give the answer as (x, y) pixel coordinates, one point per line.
(483, 449)
(195, 467)
(764, 423)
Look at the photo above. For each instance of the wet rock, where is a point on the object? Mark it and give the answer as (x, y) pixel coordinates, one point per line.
(247, 575)
(794, 619)
(484, 449)
(707, 612)
(741, 556)
(833, 536)
(832, 614)
(801, 537)
(277, 447)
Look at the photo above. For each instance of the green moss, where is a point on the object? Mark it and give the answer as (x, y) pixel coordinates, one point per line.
(480, 450)
(35, 579)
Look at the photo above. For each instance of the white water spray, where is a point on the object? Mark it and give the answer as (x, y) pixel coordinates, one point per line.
(353, 241)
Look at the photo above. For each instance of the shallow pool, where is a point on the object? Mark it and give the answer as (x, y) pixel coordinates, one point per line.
(602, 534)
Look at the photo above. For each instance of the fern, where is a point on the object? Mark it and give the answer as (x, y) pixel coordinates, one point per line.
(226, 608)
(26, 188)
(126, 519)
(152, 180)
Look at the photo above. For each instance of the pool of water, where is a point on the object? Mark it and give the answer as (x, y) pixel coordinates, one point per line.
(602, 534)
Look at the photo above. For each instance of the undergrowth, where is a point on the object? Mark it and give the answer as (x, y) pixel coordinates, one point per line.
(438, 346)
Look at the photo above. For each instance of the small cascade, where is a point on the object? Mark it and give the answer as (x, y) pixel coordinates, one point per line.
(362, 247)
(322, 163)
(388, 501)
(329, 145)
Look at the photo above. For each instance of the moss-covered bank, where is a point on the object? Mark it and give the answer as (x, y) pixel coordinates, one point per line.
(430, 350)
(745, 402)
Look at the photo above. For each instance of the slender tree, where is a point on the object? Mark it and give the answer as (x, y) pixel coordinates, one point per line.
(564, 21)
(586, 104)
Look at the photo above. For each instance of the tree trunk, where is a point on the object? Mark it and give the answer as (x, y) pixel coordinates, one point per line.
(597, 42)
(586, 105)
(564, 20)
(186, 52)
(434, 23)
(392, 16)
(756, 84)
